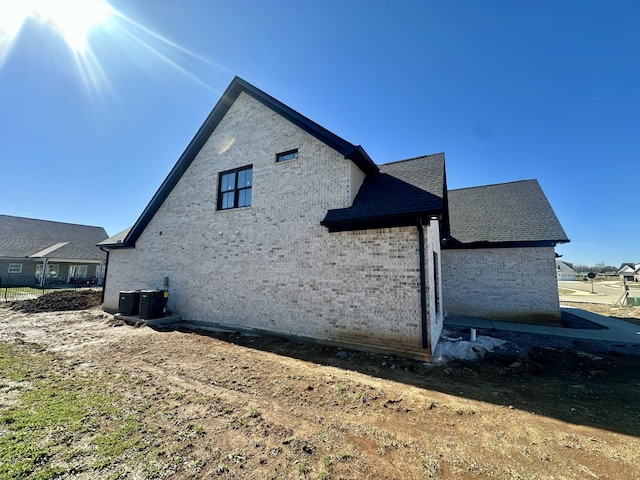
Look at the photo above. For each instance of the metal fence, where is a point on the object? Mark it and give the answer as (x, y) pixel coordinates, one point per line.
(24, 287)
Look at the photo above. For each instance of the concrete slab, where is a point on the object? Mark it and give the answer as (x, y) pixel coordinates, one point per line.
(616, 331)
(162, 322)
(471, 322)
(519, 327)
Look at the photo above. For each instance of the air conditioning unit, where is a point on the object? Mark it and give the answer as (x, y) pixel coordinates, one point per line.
(151, 304)
(129, 302)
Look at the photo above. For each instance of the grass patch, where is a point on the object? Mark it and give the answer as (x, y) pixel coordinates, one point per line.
(112, 445)
(46, 412)
(254, 413)
(431, 466)
(56, 419)
(386, 440)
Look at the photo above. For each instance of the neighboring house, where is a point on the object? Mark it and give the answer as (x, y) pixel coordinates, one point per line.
(630, 272)
(269, 222)
(565, 271)
(66, 253)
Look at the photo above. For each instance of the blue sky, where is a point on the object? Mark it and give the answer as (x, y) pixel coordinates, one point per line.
(508, 90)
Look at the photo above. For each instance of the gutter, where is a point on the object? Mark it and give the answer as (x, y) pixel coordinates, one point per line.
(423, 284)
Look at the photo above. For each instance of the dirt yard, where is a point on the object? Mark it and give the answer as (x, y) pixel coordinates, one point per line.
(631, 314)
(187, 405)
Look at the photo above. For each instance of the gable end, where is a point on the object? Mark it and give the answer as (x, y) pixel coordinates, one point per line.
(355, 153)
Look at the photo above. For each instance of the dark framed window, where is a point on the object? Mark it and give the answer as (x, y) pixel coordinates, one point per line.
(288, 155)
(234, 188)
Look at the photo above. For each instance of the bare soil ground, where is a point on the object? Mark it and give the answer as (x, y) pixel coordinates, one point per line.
(238, 406)
(630, 314)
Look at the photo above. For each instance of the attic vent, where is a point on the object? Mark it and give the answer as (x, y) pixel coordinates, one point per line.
(289, 155)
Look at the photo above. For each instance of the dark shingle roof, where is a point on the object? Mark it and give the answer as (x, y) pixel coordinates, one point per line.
(395, 196)
(426, 172)
(117, 240)
(506, 213)
(70, 250)
(24, 237)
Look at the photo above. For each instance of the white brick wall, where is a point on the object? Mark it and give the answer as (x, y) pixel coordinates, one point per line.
(272, 266)
(517, 284)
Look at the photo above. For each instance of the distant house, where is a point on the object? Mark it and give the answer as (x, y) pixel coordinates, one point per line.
(43, 252)
(269, 222)
(629, 272)
(565, 271)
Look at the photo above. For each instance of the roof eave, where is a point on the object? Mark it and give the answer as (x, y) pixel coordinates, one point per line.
(383, 221)
(113, 246)
(452, 244)
(361, 158)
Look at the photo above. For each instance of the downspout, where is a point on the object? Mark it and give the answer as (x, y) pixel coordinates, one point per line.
(45, 267)
(423, 284)
(104, 275)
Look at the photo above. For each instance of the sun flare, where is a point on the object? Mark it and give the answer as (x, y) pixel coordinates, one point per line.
(73, 20)
(85, 26)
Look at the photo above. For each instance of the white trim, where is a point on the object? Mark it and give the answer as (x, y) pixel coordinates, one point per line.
(9, 269)
(46, 251)
(77, 261)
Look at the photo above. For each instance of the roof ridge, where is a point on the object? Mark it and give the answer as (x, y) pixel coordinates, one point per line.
(49, 249)
(49, 221)
(412, 158)
(80, 246)
(494, 184)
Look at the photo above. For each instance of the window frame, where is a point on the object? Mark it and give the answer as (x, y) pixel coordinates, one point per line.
(10, 270)
(76, 269)
(53, 270)
(236, 190)
(280, 156)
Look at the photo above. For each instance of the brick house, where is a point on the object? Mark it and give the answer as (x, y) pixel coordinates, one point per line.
(67, 252)
(269, 222)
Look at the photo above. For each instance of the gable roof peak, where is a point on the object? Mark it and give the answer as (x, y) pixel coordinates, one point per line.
(352, 152)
